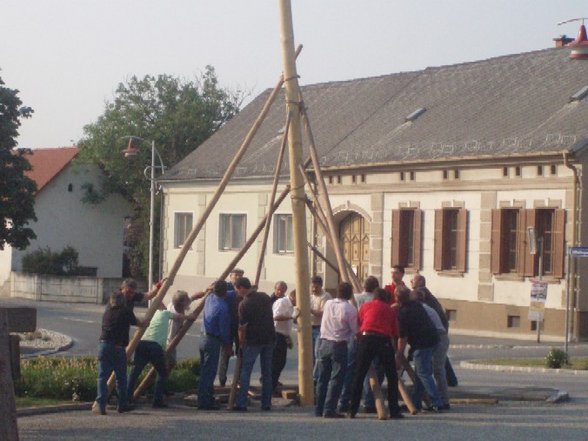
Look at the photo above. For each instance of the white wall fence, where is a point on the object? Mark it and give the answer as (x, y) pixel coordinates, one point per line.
(62, 289)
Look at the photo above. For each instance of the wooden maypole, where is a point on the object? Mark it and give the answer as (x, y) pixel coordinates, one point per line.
(305, 352)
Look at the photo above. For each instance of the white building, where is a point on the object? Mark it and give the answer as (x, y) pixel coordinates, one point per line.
(442, 170)
(94, 230)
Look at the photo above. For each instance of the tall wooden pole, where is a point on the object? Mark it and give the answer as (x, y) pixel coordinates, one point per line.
(305, 353)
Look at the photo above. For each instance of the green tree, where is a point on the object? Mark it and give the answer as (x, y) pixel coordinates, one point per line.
(17, 191)
(178, 115)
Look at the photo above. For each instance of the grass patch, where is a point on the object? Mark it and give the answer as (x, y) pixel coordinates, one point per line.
(577, 363)
(63, 379)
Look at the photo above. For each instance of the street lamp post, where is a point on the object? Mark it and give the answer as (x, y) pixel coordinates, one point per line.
(131, 151)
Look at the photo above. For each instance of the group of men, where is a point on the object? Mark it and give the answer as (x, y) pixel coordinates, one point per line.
(258, 325)
(350, 334)
(373, 329)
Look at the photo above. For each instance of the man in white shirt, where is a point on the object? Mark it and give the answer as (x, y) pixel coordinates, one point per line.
(283, 312)
(338, 327)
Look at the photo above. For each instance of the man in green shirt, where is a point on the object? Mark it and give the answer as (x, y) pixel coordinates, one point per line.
(151, 349)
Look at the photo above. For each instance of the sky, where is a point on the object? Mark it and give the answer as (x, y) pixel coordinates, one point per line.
(66, 57)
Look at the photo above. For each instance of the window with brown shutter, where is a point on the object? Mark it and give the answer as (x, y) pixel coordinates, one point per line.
(506, 235)
(510, 250)
(451, 235)
(406, 238)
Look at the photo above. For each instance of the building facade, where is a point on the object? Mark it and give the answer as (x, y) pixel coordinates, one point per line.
(444, 170)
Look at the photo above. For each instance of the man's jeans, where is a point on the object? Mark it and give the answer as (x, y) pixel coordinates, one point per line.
(209, 353)
(439, 360)
(316, 334)
(279, 358)
(250, 353)
(332, 364)
(149, 352)
(345, 396)
(111, 358)
(423, 365)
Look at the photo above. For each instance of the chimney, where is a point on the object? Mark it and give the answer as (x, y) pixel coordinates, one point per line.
(562, 40)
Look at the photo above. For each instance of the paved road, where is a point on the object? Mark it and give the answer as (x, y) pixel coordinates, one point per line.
(468, 423)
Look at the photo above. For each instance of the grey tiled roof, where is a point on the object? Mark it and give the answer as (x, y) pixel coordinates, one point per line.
(499, 107)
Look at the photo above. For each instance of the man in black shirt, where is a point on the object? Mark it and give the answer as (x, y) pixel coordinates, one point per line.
(257, 337)
(116, 321)
(416, 329)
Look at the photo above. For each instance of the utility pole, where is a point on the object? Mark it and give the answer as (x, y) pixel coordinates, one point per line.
(305, 350)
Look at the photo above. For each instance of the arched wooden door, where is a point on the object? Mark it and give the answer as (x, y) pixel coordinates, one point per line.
(354, 234)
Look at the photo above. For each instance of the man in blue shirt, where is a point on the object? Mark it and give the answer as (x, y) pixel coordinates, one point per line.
(216, 333)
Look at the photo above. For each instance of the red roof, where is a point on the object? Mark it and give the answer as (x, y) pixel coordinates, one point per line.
(48, 163)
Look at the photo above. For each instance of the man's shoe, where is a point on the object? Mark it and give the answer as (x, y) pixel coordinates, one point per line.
(350, 414)
(433, 409)
(127, 408)
(396, 416)
(96, 410)
(239, 409)
(159, 405)
(333, 415)
(266, 408)
(445, 407)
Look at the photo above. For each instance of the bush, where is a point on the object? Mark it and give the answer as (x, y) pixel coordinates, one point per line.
(45, 261)
(76, 378)
(556, 358)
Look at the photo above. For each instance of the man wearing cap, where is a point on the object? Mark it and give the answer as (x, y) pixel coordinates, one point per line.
(257, 338)
(216, 332)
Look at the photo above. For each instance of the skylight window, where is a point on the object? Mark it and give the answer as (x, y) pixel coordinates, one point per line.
(414, 115)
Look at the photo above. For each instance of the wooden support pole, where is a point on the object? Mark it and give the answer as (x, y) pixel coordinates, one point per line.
(322, 257)
(148, 380)
(321, 219)
(305, 350)
(325, 202)
(8, 426)
(268, 220)
(406, 397)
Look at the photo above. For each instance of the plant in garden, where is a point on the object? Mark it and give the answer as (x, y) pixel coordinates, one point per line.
(556, 358)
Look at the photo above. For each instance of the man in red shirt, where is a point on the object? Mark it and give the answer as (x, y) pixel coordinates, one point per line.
(397, 275)
(377, 328)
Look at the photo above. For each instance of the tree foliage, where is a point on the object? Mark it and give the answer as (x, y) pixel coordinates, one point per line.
(176, 114)
(17, 191)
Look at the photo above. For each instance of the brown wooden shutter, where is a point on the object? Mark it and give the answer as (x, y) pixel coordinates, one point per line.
(559, 243)
(462, 239)
(418, 237)
(530, 261)
(496, 242)
(395, 242)
(438, 249)
(522, 245)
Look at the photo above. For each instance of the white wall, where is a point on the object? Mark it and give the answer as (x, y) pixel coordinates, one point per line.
(95, 231)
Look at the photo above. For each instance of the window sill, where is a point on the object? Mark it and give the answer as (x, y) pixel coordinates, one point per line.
(450, 273)
(509, 277)
(547, 279)
(285, 253)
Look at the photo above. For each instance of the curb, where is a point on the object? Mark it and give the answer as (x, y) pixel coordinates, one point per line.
(499, 368)
(41, 410)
